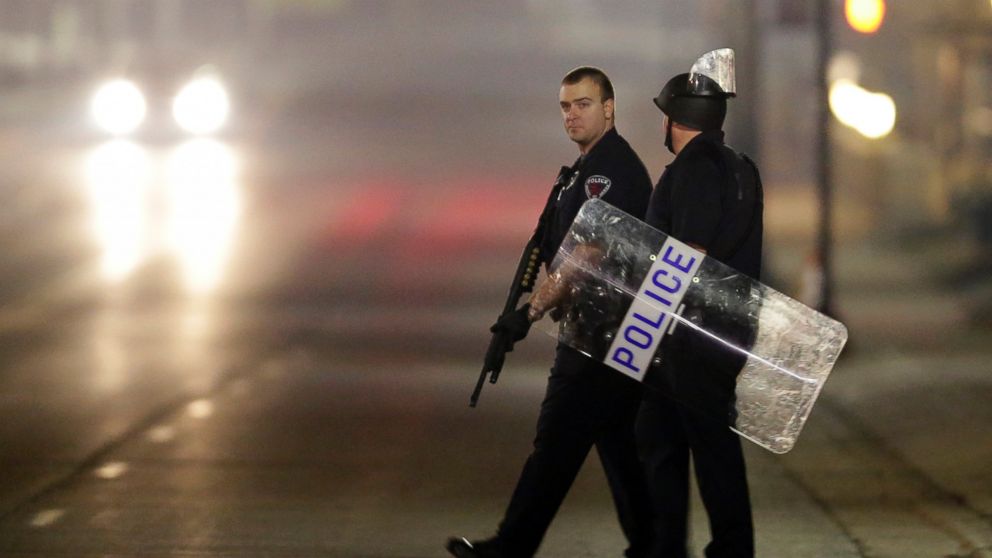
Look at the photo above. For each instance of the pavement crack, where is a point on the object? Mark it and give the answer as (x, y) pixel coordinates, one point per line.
(99, 456)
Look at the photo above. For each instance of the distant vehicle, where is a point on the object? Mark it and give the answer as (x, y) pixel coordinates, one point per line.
(160, 103)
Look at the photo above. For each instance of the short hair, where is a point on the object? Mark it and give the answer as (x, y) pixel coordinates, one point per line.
(598, 76)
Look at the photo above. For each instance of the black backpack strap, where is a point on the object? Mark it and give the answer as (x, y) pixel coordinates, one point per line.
(734, 163)
(759, 200)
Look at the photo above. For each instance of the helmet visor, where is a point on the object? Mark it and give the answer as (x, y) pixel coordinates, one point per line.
(714, 67)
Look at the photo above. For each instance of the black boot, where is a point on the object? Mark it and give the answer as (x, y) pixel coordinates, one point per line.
(461, 548)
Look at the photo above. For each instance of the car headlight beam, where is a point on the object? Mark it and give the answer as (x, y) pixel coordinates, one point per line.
(202, 106)
(118, 107)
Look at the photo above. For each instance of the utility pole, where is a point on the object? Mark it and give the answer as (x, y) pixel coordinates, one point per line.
(739, 27)
(824, 237)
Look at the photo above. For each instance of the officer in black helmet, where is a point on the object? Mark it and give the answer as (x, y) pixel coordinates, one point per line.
(710, 198)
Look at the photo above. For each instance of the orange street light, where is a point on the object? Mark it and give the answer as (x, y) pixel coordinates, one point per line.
(864, 16)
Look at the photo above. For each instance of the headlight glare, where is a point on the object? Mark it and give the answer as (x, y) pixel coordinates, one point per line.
(118, 107)
(202, 106)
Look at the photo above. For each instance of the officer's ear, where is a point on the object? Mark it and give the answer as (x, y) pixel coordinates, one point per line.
(608, 108)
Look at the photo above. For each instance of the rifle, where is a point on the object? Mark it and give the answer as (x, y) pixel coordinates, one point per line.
(523, 282)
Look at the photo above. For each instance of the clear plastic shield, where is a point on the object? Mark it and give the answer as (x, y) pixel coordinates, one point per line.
(711, 338)
(718, 66)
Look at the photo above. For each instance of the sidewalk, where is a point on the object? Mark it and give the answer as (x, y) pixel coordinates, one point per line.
(898, 449)
(898, 455)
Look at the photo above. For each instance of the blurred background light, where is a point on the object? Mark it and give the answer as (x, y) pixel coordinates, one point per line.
(118, 107)
(202, 106)
(201, 408)
(46, 518)
(205, 206)
(873, 115)
(864, 16)
(880, 116)
(201, 162)
(117, 175)
(111, 470)
(844, 65)
(844, 97)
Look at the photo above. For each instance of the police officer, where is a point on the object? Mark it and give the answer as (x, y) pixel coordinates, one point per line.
(586, 403)
(710, 198)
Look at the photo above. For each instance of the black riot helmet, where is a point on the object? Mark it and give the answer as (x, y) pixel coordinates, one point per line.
(698, 99)
(701, 112)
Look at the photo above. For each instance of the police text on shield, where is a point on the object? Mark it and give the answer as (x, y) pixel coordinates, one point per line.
(650, 314)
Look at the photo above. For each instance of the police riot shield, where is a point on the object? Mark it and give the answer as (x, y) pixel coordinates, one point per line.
(711, 338)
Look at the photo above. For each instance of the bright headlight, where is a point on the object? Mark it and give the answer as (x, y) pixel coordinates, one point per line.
(202, 106)
(118, 107)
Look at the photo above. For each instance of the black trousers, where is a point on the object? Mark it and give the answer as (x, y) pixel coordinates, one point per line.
(586, 404)
(666, 434)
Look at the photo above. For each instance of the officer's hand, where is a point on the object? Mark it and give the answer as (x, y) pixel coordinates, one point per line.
(514, 324)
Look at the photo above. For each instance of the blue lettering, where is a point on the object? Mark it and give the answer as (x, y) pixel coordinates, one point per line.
(647, 336)
(656, 325)
(676, 280)
(629, 363)
(658, 297)
(677, 262)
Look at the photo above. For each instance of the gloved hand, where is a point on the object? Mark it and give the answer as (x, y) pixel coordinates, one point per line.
(515, 324)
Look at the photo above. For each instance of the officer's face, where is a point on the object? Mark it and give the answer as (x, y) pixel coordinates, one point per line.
(585, 115)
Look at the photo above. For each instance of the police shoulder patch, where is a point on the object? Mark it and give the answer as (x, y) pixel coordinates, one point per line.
(596, 186)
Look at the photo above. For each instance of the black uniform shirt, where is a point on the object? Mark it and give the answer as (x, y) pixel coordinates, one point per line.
(611, 171)
(711, 197)
(699, 201)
